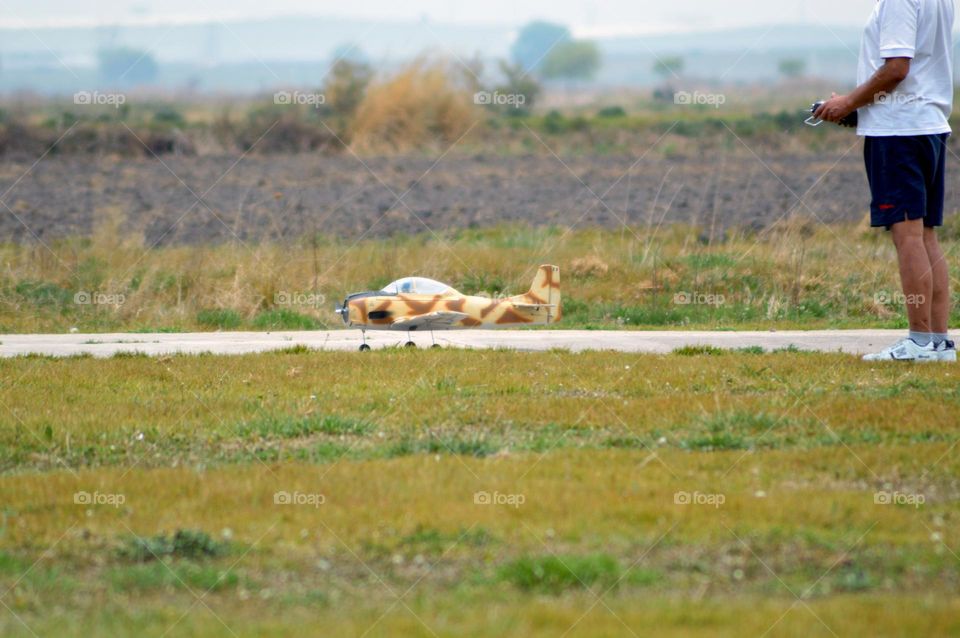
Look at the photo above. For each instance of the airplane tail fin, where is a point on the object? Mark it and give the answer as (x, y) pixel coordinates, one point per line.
(545, 289)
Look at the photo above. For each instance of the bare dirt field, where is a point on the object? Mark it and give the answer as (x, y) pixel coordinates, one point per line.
(188, 200)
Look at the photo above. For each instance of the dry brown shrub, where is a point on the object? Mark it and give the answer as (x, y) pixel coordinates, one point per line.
(423, 103)
(590, 266)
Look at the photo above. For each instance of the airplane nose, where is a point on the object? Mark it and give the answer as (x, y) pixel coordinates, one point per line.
(343, 311)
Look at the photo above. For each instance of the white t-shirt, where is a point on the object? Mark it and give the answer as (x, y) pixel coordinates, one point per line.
(917, 29)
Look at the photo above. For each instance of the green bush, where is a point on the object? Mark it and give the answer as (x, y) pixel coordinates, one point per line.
(286, 426)
(611, 112)
(220, 318)
(169, 116)
(555, 123)
(479, 447)
(553, 574)
(155, 575)
(43, 293)
(695, 351)
(184, 543)
(284, 319)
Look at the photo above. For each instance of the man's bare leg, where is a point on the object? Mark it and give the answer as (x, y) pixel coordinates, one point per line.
(940, 307)
(916, 274)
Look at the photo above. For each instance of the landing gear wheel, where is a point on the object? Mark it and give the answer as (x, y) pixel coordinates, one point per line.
(364, 348)
(410, 344)
(436, 345)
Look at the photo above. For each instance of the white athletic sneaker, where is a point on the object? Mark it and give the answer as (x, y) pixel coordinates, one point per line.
(946, 351)
(906, 350)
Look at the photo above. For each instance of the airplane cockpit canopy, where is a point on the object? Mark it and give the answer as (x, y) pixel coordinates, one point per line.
(416, 286)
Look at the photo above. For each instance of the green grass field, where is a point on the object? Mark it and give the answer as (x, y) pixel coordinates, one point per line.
(495, 493)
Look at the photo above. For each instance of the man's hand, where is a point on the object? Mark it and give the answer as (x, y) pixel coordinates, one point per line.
(884, 81)
(836, 108)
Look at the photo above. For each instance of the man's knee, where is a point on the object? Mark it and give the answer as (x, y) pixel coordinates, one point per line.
(930, 240)
(908, 233)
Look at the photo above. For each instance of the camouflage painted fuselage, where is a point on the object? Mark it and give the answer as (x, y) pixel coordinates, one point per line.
(379, 311)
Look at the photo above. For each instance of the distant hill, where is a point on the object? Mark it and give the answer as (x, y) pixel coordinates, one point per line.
(247, 56)
(300, 39)
(808, 37)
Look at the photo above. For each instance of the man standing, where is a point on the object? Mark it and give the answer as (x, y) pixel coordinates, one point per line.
(904, 98)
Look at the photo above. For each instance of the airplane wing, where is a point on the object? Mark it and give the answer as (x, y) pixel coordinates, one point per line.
(440, 320)
(533, 306)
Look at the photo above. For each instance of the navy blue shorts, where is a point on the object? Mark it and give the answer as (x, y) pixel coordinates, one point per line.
(907, 178)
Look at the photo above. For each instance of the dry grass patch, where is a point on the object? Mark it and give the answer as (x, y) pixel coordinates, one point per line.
(647, 278)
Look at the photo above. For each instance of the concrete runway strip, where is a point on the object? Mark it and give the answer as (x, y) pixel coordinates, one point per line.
(106, 345)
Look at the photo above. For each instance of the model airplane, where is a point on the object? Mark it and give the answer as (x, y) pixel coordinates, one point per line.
(417, 303)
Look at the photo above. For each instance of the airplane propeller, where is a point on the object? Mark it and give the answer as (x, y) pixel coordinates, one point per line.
(342, 310)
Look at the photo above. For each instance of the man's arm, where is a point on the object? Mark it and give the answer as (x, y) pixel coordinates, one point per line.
(884, 81)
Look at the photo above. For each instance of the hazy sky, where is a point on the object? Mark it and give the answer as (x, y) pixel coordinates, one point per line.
(587, 17)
